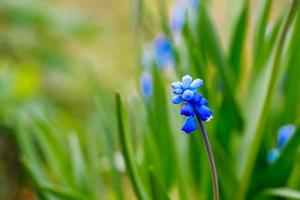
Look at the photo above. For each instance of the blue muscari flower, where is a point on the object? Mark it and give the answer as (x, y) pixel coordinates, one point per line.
(146, 85)
(284, 134)
(164, 56)
(194, 104)
(272, 155)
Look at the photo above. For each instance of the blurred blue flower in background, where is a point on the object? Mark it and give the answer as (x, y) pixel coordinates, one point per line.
(164, 56)
(146, 85)
(177, 16)
(284, 135)
(194, 104)
(272, 155)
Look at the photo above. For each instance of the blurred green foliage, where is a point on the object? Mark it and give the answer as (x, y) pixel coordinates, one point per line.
(75, 140)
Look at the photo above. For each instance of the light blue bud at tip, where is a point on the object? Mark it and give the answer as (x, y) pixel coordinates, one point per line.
(197, 83)
(176, 85)
(188, 95)
(187, 109)
(284, 135)
(272, 155)
(186, 81)
(178, 91)
(146, 84)
(177, 99)
(189, 125)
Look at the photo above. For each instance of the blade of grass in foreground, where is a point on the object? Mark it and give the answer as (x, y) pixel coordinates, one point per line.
(283, 192)
(127, 153)
(256, 131)
(62, 192)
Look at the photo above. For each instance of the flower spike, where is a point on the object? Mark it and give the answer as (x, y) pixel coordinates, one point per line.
(194, 103)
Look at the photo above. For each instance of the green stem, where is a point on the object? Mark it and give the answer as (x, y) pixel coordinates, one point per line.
(266, 104)
(213, 170)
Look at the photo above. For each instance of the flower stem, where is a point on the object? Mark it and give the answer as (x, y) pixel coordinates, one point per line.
(213, 171)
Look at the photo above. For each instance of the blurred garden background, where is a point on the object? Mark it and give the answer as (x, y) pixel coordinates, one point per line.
(85, 98)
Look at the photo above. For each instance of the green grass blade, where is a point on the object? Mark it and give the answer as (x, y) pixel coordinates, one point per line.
(283, 193)
(238, 39)
(158, 193)
(260, 33)
(127, 153)
(62, 192)
(78, 165)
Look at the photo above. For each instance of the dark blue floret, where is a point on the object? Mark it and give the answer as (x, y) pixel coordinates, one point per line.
(189, 125)
(204, 113)
(187, 109)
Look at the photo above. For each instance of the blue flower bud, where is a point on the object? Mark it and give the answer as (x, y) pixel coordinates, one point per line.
(197, 83)
(186, 81)
(177, 99)
(163, 52)
(176, 85)
(272, 155)
(189, 125)
(146, 84)
(204, 113)
(178, 91)
(188, 95)
(284, 134)
(187, 109)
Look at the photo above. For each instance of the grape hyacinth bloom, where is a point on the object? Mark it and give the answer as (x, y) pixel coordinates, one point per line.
(194, 107)
(283, 136)
(146, 85)
(194, 104)
(164, 56)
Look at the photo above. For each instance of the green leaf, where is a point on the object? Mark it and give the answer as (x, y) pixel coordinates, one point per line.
(238, 40)
(283, 192)
(127, 153)
(78, 164)
(260, 31)
(158, 193)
